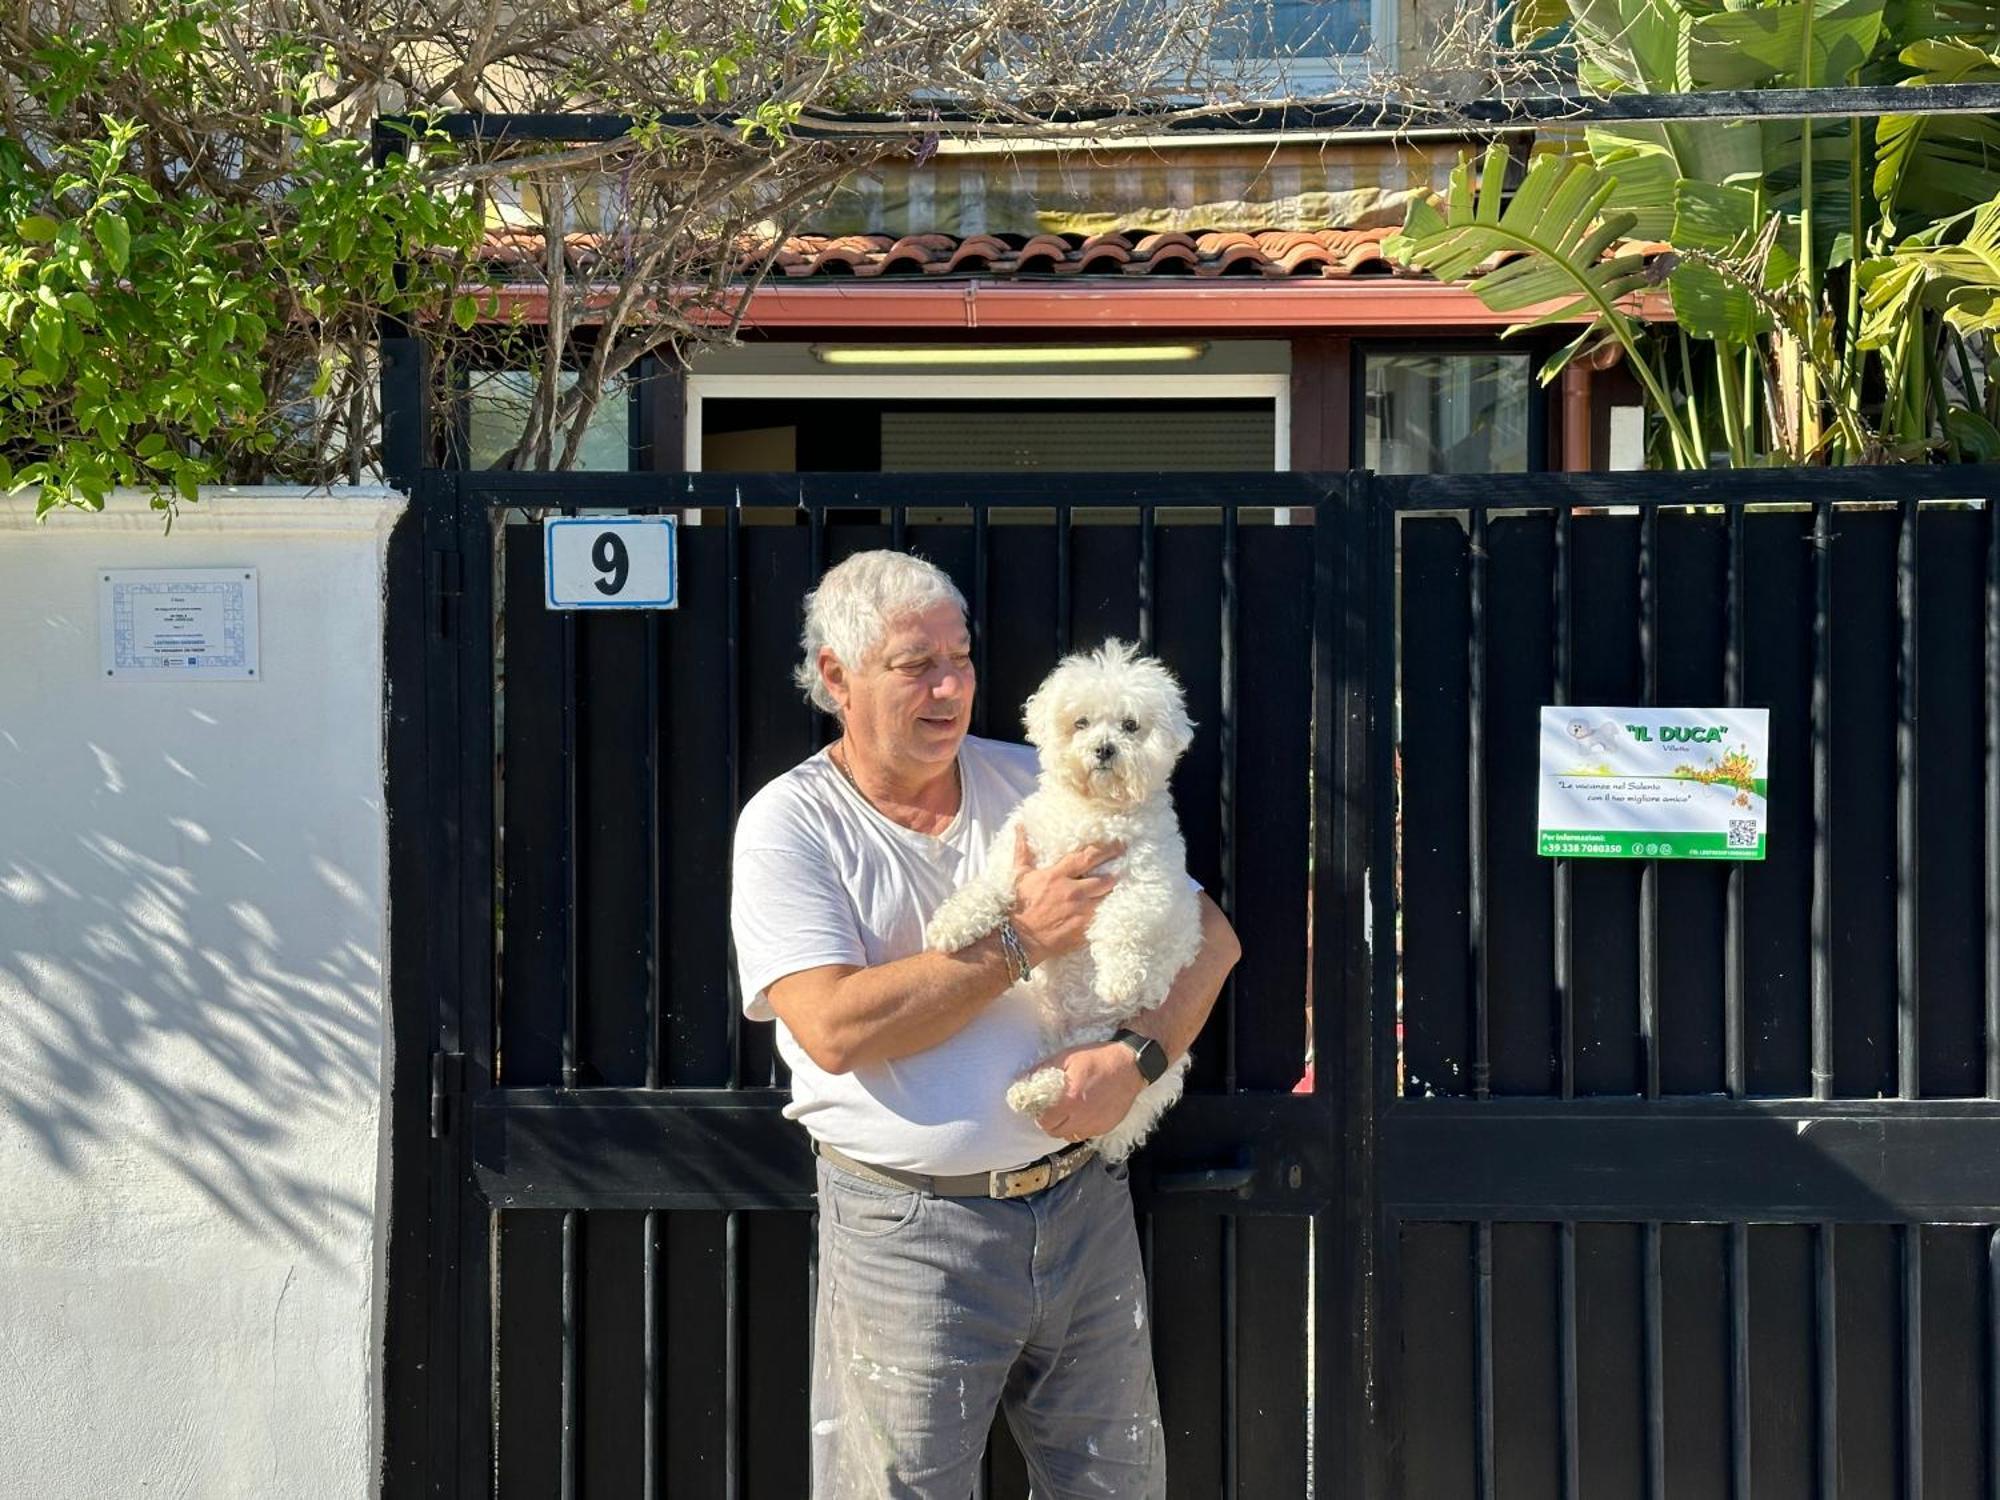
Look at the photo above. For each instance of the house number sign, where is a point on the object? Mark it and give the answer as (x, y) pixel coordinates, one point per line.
(1654, 783)
(612, 562)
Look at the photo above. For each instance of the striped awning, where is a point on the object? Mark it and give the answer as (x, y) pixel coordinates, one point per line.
(1302, 186)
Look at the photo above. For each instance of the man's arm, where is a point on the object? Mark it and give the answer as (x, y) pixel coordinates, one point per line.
(1104, 1077)
(845, 1017)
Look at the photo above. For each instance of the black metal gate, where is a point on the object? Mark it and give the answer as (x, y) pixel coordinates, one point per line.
(1629, 1180)
(1689, 1174)
(622, 1248)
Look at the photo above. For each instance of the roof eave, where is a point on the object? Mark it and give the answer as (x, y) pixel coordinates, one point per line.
(974, 305)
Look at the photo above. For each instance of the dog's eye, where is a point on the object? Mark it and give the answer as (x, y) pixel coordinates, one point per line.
(1130, 726)
(1083, 723)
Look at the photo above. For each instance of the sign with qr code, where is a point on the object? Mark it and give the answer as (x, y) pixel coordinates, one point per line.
(1654, 783)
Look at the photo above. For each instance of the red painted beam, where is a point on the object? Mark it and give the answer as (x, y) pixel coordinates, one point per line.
(1386, 304)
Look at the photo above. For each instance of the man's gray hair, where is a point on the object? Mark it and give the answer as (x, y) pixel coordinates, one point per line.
(856, 603)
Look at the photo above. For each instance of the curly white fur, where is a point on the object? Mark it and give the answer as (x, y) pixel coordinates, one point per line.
(1109, 726)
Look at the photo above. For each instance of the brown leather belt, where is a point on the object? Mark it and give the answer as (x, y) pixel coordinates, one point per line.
(1019, 1182)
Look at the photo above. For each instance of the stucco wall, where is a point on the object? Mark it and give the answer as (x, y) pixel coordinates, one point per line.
(193, 942)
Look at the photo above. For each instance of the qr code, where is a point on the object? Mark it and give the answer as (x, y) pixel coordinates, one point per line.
(1743, 833)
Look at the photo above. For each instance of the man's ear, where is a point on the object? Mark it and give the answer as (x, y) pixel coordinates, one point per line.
(833, 676)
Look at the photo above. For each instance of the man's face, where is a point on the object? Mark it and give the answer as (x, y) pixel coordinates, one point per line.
(911, 699)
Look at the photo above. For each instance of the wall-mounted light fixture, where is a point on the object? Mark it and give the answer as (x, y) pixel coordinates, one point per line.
(989, 355)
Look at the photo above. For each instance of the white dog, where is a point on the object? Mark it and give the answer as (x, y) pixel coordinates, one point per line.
(1600, 741)
(1109, 727)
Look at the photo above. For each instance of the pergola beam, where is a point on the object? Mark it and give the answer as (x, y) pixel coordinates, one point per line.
(1332, 117)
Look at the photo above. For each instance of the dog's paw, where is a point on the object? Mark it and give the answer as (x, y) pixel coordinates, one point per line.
(947, 932)
(965, 918)
(1035, 1093)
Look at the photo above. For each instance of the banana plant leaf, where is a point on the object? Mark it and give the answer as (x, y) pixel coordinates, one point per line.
(1806, 44)
(1726, 221)
(1933, 166)
(1555, 225)
(1835, 187)
(1631, 45)
(1977, 438)
(1910, 21)
(1961, 279)
(1651, 161)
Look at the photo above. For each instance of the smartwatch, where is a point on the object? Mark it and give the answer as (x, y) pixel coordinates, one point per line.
(1148, 1053)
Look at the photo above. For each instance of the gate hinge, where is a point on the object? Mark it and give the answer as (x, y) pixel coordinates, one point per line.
(447, 1083)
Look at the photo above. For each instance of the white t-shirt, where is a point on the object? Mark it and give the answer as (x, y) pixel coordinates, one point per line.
(821, 877)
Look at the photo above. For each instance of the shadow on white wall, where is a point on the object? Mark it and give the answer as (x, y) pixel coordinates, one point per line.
(191, 979)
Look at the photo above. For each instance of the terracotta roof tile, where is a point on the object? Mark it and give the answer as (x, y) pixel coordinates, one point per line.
(1274, 253)
(1262, 252)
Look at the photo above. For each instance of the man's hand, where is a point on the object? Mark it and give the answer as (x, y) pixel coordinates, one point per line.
(1053, 904)
(1104, 1079)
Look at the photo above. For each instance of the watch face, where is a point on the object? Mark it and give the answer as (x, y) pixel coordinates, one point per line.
(1147, 1052)
(1151, 1055)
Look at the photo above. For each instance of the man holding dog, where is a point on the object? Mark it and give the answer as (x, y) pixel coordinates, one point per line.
(970, 1258)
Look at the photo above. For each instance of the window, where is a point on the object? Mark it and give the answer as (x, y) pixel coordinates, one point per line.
(1442, 412)
(1312, 43)
(920, 437)
(1302, 29)
(497, 402)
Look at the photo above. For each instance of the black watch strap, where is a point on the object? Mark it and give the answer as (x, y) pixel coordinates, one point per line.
(1150, 1055)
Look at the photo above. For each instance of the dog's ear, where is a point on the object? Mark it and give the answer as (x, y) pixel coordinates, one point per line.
(1170, 722)
(1038, 715)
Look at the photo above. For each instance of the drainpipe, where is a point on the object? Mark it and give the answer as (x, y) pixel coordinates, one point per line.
(1576, 415)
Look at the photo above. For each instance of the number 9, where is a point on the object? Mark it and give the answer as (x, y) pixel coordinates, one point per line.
(609, 556)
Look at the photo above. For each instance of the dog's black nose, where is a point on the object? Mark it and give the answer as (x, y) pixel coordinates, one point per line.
(1105, 752)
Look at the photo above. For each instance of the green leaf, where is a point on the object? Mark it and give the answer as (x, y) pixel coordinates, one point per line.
(1530, 20)
(115, 236)
(47, 331)
(1803, 44)
(1707, 303)
(1630, 44)
(38, 229)
(1976, 437)
(465, 312)
(1558, 231)
(1932, 166)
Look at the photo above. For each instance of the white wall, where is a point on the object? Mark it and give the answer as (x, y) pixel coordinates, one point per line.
(193, 1042)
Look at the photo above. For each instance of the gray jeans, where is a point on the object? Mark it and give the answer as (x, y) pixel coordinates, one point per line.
(935, 1311)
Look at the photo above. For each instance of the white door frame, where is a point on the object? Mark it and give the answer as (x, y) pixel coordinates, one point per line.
(943, 386)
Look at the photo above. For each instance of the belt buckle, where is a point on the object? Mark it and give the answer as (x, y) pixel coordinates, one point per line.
(1021, 1181)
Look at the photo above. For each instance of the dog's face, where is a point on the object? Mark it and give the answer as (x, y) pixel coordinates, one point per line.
(1110, 724)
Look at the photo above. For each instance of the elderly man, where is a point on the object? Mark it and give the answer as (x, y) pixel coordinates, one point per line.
(970, 1258)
